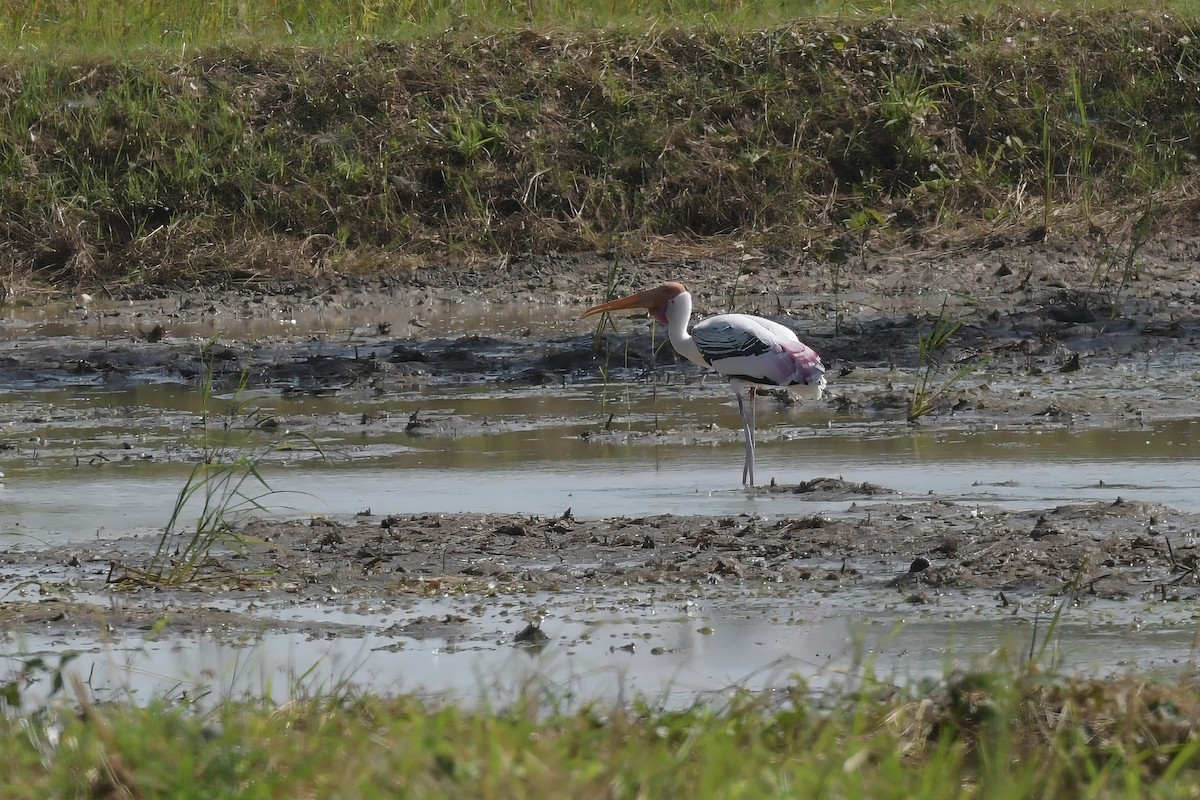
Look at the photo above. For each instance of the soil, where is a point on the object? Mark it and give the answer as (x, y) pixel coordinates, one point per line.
(1030, 308)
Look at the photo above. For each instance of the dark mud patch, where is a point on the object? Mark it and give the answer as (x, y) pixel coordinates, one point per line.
(1026, 311)
(827, 489)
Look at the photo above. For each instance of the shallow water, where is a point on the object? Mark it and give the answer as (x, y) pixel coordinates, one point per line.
(85, 465)
(136, 499)
(606, 646)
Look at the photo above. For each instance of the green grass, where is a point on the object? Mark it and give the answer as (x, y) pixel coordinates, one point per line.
(1005, 734)
(938, 371)
(172, 144)
(224, 488)
(107, 26)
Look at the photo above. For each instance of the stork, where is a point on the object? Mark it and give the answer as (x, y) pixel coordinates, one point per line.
(750, 351)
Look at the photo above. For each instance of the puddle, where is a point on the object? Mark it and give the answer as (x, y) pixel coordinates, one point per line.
(609, 646)
(598, 645)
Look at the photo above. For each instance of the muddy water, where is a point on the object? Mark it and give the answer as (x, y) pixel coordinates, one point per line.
(74, 479)
(603, 646)
(137, 498)
(89, 465)
(121, 457)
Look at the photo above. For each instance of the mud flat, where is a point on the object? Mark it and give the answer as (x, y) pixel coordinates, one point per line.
(1096, 366)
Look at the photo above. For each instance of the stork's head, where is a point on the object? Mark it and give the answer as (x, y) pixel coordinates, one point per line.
(656, 301)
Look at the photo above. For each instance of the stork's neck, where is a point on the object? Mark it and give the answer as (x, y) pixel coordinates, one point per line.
(679, 313)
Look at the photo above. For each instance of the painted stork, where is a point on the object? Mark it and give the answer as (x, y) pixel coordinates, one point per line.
(749, 351)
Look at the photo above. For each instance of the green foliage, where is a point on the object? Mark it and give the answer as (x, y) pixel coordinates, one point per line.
(211, 157)
(1005, 732)
(934, 378)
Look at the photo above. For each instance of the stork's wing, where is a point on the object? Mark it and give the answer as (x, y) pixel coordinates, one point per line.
(731, 336)
(757, 350)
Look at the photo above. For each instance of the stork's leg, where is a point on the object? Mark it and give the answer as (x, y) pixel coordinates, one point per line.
(753, 426)
(748, 430)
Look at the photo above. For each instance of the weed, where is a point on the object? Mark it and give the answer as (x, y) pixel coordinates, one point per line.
(934, 379)
(601, 343)
(1087, 141)
(472, 134)
(223, 487)
(1121, 259)
(1047, 173)
(909, 107)
(1037, 652)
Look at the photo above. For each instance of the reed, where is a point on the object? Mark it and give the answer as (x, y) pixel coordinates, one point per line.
(937, 373)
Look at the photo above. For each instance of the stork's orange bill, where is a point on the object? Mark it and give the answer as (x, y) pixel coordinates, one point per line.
(648, 299)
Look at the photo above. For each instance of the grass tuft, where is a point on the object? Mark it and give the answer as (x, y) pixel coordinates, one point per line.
(935, 377)
(224, 487)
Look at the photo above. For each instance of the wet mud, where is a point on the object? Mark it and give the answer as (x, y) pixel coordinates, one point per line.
(914, 553)
(1026, 312)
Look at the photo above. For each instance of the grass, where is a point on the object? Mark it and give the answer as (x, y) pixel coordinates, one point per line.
(238, 143)
(224, 487)
(934, 377)
(1118, 264)
(1010, 733)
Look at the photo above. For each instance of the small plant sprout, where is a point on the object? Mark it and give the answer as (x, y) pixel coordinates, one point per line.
(934, 377)
(1121, 259)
